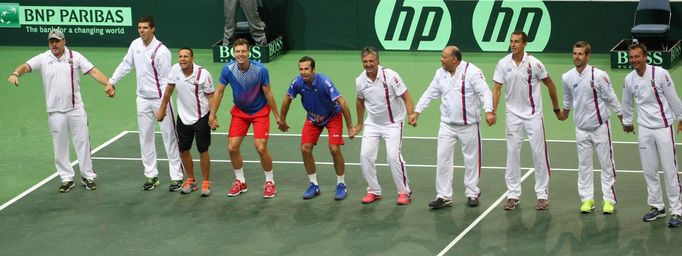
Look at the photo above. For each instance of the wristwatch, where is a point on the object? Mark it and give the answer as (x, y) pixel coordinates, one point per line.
(556, 110)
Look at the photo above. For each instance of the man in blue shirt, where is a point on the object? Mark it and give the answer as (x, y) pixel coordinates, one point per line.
(325, 106)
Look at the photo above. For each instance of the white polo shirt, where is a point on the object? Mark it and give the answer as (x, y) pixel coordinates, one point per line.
(382, 96)
(192, 90)
(151, 64)
(522, 96)
(61, 79)
(657, 101)
(461, 95)
(589, 94)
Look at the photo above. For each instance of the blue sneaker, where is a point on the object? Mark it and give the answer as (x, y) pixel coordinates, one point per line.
(654, 214)
(312, 191)
(340, 192)
(674, 221)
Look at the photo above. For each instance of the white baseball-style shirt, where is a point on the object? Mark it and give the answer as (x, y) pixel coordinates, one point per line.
(152, 64)
(523, 96)
(61, 80)
(656, 99)
(192, 90)
(461, 94)
(382, 96)
(589, 94)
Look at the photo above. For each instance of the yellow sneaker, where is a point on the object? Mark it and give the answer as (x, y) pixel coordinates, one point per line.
(587, 206)
(608, 208)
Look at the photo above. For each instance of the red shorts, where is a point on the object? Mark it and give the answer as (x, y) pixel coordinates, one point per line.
(311, 133)
(241, 121)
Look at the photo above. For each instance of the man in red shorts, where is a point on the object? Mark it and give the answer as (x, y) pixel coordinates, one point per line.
(324, 106)
(253, 101)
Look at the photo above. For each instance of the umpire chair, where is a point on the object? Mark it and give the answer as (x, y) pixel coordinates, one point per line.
(652, 22)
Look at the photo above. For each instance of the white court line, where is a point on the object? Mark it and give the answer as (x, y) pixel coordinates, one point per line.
(480, 218)
(352, 164)
(36, 186)
(418, 138)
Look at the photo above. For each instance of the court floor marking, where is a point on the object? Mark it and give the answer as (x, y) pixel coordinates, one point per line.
(418, 138)
(351, 164)
(480, 218)
(55, 174)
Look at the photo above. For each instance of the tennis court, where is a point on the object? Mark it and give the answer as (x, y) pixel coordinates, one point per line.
(119, 218)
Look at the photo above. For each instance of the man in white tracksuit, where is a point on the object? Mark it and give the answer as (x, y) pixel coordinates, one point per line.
(460, 111)
(383, 93)
(658, 106)
(522, 74)
(588, 91)
(152, 62)
(59, 68)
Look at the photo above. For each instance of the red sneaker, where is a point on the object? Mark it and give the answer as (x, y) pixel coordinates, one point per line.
(404, 199)
(370, 198)
(238, 187)
(270, 190)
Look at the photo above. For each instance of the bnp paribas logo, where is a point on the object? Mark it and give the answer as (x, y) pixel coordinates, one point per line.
(9, 15)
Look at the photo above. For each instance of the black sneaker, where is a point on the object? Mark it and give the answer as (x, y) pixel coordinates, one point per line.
(440, 203)
(472, 201)
(176, 185)
(151, 183)
(653, 214)
(89, 184)
(66, 186)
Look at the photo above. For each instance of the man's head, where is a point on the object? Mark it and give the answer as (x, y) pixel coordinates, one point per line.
(581, 54)
(56, 41)
(370, 60)
(186, 58)
(146, 27)
(241, 50)
(637, 55)
(517, 42)
(306, 67)
(450, 58)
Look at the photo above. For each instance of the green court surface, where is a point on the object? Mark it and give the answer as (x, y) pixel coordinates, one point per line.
(121, 219)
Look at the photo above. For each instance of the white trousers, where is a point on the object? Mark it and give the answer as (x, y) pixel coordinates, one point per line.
(74, 122)
(470, 138)
(655, 143)
(600, 141)
(146, 117)
(516, 129)
(393, 136)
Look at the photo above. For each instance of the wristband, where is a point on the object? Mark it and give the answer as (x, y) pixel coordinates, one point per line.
(556, 110)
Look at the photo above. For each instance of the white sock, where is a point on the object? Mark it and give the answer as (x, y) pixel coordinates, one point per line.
(239, 173)
(340, 179)
(269, 176)
(313, 178)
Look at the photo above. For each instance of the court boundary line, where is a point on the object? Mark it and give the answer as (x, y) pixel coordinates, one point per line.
(55, 174)
(417, 138)
(352, 164)
(480, 218)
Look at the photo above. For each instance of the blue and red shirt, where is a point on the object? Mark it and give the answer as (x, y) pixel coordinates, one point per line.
(318, 98)
(246, 86)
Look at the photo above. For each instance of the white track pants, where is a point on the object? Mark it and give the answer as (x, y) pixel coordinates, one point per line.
(470, 136)
(74, 122)
(516, 129)
(661, 142)
(393, 136)
(600, 141)
(146, 117)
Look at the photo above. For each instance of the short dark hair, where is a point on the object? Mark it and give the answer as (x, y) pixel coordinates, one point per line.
(191, 53)
(307, 58)
(584, 45)
(148, 19)
(638, 46)
(523, 35)
(369, 50)
(240, 41)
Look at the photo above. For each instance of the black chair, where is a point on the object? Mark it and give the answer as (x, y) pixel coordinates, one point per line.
(652, 22)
